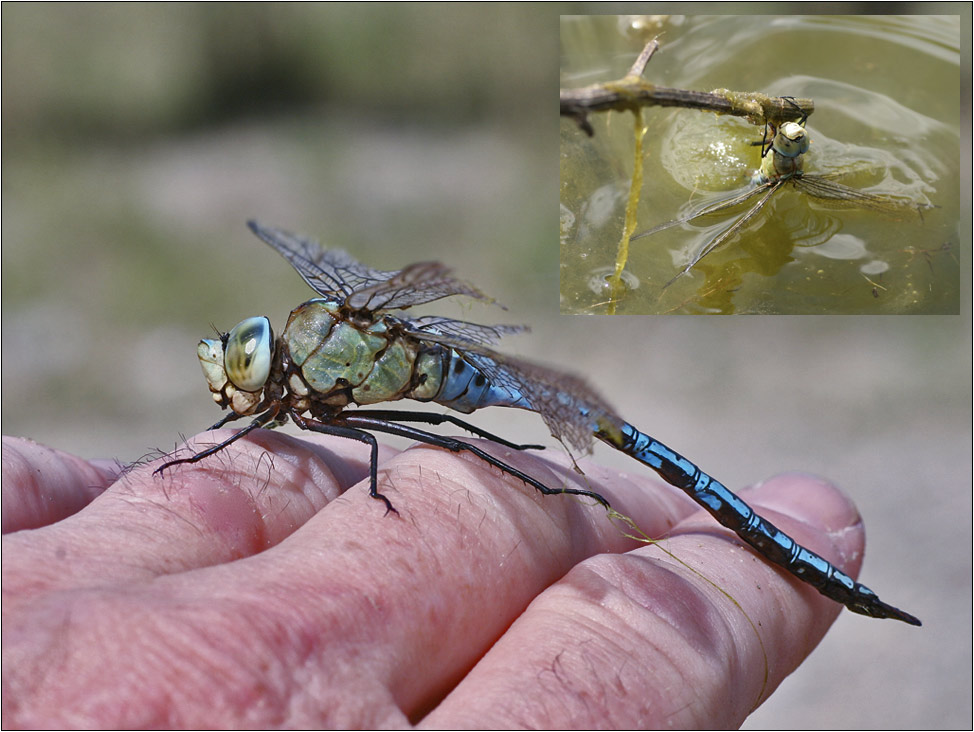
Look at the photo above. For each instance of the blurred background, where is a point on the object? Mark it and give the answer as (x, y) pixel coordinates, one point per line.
(138, 139)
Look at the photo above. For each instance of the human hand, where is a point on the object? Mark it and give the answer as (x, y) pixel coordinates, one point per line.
(254, 589)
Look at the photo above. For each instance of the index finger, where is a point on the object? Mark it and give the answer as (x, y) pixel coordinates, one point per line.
(236, 503)
(43, 485)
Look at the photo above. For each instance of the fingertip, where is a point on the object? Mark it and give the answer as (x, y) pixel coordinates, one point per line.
(812, 500)
(823, 512)
(43, 485)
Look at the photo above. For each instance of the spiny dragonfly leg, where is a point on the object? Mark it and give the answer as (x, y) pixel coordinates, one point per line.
(764, 142)
(455, 445)
(793, 103)
(227, 418)
(259, 422)
(352, 434)
(435, 418)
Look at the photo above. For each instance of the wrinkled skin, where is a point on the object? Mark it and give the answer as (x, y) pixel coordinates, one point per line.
(262, 587)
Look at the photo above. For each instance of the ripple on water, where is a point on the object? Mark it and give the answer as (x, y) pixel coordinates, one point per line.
(874, 267)
(842, 246)
(598, 281)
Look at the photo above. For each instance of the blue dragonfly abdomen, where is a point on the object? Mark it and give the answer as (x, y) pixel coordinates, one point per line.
(724, 505)
(466, 388)
(734, 513)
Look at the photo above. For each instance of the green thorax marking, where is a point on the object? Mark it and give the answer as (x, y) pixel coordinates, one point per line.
(333, 354)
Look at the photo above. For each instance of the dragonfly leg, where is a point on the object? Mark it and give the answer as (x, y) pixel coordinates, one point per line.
(229, 417)
(435, 418)
(764, 142)
(454, 445)
(794, 104)
(262, 420)
(352, 433)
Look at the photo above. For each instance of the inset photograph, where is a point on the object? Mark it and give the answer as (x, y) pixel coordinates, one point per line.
(760, 164)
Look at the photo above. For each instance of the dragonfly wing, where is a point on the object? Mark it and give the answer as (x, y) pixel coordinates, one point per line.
(710, 208)
(332, 273)
(416, 284)
(831, 190)
(339, 277)
(570, 408)
(472, 334)
(770, 188)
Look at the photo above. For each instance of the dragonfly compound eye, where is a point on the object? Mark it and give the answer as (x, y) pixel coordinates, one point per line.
(791, 140)
(247, 354)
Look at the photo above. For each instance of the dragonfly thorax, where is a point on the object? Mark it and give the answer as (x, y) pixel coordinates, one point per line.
(331, 360)
(238, 364)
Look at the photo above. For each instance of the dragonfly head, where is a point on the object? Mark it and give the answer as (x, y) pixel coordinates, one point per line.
(238, 364)
(790, 143)
(791, 140)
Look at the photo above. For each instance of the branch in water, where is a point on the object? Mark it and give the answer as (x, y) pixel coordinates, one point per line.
(632, 92)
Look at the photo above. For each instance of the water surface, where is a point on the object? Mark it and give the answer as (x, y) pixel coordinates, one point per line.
(886, 92)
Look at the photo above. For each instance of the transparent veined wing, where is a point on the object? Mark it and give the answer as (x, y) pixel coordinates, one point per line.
(768, 189)
(568, 405)
(824, 187)
(470, 334)
(339, 277)
(709, 208)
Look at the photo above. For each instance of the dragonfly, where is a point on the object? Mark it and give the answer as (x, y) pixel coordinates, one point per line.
(352, 347)
(782, 162)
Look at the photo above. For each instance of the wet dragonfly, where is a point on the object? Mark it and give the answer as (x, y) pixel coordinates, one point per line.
(782, 161)
(347, 348)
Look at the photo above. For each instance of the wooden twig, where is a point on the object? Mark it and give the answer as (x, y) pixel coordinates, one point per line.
(639, 65)
(633, 92)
